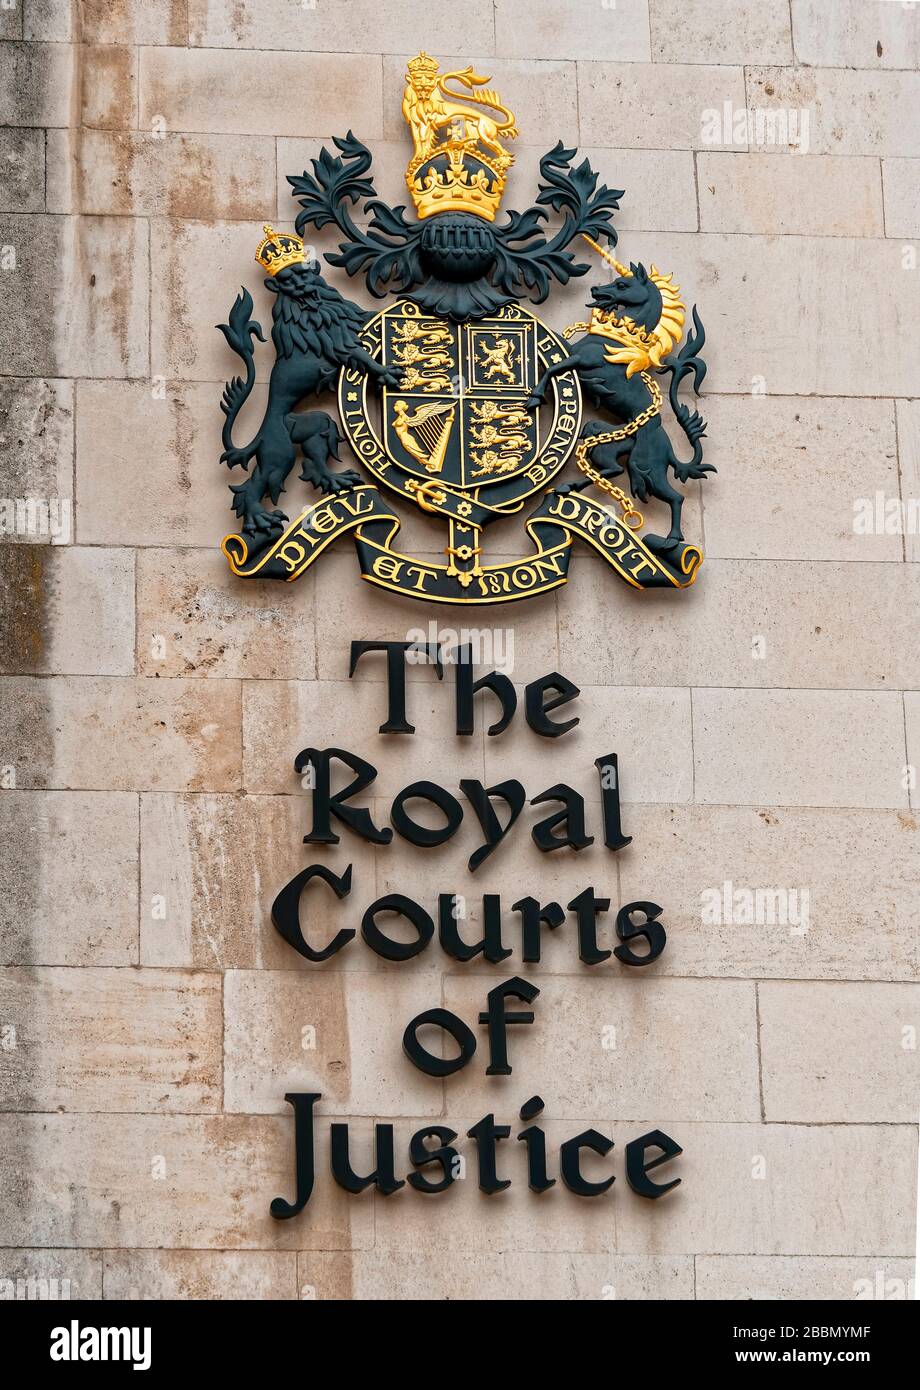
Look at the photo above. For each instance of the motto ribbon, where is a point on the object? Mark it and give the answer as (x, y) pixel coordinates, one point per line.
(635, 560)
(552, 527)
(306, 538)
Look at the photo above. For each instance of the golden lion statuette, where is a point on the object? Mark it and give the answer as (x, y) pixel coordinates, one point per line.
(458, 161)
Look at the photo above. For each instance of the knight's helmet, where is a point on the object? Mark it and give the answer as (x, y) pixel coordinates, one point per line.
(459, 163)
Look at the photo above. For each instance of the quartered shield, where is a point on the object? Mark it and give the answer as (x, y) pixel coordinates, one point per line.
(456, 436)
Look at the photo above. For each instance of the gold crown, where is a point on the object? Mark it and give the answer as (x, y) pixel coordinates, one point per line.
(422, 65)
(278, 249)
(459, 163)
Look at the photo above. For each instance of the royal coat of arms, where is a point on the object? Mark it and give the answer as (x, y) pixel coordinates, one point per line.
(455, 397)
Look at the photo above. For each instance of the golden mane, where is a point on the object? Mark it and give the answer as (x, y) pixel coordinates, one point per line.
(641, 348)
(669, 328)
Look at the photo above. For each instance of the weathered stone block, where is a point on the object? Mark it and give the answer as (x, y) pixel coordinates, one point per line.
(50, 1274)
(705, 31)
(798, 747)
(200, 1274)
(144, 174)
(110, 1040)
(211, 89)
(839, 1053)
(901, 180)
(855, 34)
(341, 29)
(95, 322)
(36, 458)
(618, 33)
(613, 102)
(22, 169)
(849, 112)
(147, 467)
(186, 1181)
(67, 610)
(510, 1275)
(801, 450)
(810, 195)
(758, 891)
(68, 882)
(195, 618)
(792, 1278)
(109, 86)
(747, 623)
(36, 84)
(339, 1034)
(129, 22)
(118, 734)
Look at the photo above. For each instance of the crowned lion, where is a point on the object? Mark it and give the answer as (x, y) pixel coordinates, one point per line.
(315, 333)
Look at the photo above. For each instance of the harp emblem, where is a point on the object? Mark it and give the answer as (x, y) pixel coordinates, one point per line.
(424, 432)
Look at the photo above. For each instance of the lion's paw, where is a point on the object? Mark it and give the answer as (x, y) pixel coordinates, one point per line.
(264, 521)
(341, 482)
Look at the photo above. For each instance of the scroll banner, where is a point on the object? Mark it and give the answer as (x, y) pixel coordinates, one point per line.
(314, 530)
(634, 559)
(552, 527)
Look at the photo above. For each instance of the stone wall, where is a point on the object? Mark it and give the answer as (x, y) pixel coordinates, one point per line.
(766, 720)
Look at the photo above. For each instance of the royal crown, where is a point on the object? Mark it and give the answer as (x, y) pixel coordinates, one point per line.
(278, 250)
(422, 65)
(459, 163)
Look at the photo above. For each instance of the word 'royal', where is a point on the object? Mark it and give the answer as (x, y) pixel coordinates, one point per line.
(565, 827)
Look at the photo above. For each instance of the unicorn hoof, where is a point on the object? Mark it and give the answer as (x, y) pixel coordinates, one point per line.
(663, 544)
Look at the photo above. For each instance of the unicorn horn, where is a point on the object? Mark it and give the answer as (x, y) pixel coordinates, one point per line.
(605, 255)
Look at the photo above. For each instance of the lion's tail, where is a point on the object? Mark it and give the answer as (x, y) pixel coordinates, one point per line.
(484, 97)
(234, 394)
(239, 333)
